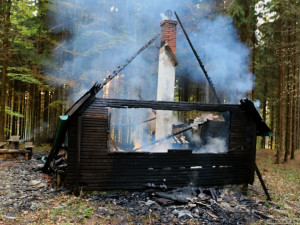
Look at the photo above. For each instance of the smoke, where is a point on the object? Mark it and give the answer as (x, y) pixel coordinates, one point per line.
(163, 16)
(224, 56)
(99, 36)
(134, 130)
(214, 145)
(257, 104)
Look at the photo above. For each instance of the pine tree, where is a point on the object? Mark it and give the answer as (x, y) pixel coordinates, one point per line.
(4, 58)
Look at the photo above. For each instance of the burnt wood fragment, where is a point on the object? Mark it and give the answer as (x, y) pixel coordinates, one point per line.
(199, 61)
(262, 183)
(173, 197)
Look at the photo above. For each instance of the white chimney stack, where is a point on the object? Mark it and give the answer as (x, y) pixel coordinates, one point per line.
(166, 77)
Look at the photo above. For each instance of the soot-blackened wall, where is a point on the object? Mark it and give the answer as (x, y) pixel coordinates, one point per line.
(92, 167)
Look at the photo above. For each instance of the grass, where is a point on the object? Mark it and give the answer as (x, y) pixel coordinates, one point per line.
(42, 148)
(283, 183)
(58, 210)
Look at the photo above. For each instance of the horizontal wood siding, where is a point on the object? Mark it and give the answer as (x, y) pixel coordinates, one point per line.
(162, 105)
(101, 170)
(180, 168)
(72, 143)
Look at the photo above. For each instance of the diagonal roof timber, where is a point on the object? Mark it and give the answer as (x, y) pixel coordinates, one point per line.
(97, 87)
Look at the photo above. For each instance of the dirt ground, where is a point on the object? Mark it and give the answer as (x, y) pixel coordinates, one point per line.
(29, 197)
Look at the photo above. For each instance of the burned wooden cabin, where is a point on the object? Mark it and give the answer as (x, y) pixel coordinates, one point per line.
(93, 166)
(217, 148)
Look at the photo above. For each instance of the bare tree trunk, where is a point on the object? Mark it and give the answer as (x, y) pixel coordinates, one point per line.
(14, 101)
(296, 89)
(33, 110)
(23, 111)
(288, 130)
(28, 115)
(272, 124)
(277, 130)
(291, 119)
(253, 41)
(37, 113)
(9, 103)
(288, 133)
(282, 95)
(46, 116)
(264, 111)
(5, 8)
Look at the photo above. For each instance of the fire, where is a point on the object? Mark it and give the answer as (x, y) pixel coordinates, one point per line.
(110, 89)
(106, 90)
(136, 144)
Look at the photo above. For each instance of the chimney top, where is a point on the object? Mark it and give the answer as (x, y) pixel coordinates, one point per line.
(168, 34)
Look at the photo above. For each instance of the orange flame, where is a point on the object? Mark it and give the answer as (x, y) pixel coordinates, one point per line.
(136, 144)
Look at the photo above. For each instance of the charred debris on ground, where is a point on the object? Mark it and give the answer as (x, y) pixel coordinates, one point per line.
(26, 189)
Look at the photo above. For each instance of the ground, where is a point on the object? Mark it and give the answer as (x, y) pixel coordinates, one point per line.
(29, 197)
(283, 182)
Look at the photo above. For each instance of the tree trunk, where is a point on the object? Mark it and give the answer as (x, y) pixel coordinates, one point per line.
(6, 7)
(33, 112)
(288, 132)
(277, 129)
(23, 111)
(253, 41)
(14, 108)
(37, 113)
(282, 94)
(296, 95)
(46, 117)
(272, 124)
(264, 110)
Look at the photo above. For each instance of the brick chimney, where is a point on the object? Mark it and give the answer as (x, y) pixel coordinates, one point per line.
(166, 77)
(168, 34)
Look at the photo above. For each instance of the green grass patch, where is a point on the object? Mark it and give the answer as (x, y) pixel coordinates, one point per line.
(42, 148)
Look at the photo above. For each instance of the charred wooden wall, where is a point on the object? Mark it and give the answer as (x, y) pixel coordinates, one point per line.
(92, 167)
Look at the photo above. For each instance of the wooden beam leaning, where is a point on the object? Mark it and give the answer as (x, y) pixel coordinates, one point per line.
(262, 183)
(87, 98)
(199, 61)
(120, 68)
(59, 139)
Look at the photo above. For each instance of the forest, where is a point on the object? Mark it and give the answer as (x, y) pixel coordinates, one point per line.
(53, 51)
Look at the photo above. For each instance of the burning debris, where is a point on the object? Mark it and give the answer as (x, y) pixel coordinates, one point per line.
(178, 136)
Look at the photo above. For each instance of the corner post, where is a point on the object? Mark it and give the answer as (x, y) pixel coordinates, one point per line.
(78, 150)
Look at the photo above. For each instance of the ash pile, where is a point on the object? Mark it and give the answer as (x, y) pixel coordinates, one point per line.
(24, 188)
(180, 206)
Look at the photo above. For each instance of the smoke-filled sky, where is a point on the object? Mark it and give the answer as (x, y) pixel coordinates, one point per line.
(103, 34)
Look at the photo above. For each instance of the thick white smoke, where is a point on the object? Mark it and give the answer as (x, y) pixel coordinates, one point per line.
(101, 35)
(214, 145)
(98, 36)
